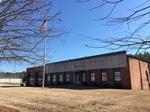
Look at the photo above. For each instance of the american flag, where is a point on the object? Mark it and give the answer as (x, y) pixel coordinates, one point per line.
(43, 25)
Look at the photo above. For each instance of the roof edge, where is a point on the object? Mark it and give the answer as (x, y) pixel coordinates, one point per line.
(88, 57)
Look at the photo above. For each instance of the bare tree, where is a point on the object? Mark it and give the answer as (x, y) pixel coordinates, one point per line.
(20, 22)
(138, 38)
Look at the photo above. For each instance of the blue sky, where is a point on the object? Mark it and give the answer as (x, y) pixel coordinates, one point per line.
(79, 20)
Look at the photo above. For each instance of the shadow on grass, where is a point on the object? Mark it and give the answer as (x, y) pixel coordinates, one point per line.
(67, 86)
(75, 87)
(85, 87)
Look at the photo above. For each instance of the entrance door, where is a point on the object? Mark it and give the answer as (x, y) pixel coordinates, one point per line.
(80, 77)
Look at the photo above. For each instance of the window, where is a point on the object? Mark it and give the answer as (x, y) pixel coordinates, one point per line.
(68, 77)
(40, 78)
(92, 76)
(49, 78)
(60, 78)
(32, 78)
(146, 72)
(32, 74)
(104, 76)
(117, 75)
(40, 73)
(54, 78)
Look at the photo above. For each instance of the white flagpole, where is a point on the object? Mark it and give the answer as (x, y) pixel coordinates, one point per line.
(44, 57)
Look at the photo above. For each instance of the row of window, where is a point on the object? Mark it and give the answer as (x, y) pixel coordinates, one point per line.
(54, 78)
(61, 78)
(117, 76)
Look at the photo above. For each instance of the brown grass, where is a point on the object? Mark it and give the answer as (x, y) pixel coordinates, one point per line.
(29, 99)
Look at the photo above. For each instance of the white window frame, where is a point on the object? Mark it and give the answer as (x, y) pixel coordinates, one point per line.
(61, 77)
(48, 78)
(117, 76)
(92, 74)
(104, 76)
(67, 77)
(54, 78)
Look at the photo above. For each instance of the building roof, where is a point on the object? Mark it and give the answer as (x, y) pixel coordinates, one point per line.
(89, 57)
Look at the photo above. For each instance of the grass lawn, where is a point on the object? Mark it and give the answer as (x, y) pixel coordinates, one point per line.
(30, 99)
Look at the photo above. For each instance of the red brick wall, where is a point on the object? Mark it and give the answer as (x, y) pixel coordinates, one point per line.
(144, 67)
(72, 77)
(97, 77)
(35, 69)
(125, 78)
(87, 77)
(110, 77)
(130, 77)
(136, 75)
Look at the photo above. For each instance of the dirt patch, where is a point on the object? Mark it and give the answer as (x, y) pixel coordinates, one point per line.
(7, 109)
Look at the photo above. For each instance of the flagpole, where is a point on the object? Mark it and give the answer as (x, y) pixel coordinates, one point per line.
(44, 57)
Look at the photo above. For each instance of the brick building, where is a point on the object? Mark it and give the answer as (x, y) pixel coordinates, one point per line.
(112, 70)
